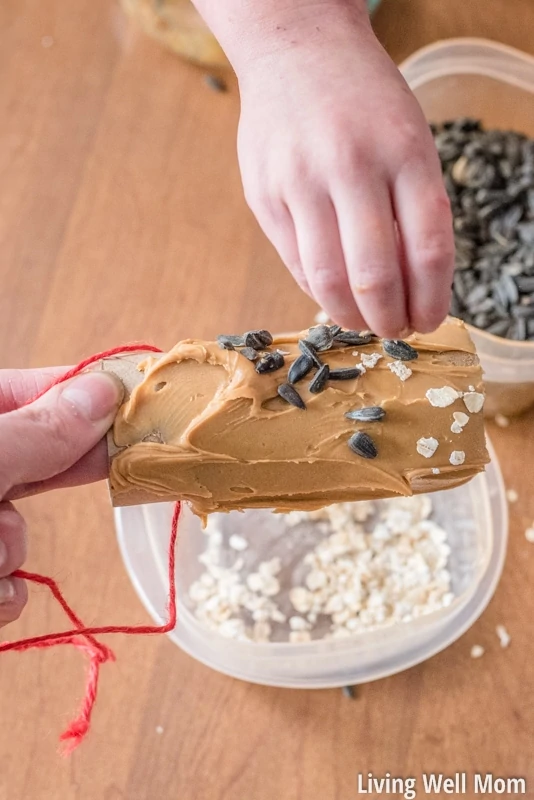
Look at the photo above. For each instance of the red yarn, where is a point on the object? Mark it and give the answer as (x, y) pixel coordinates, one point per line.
(82, 636)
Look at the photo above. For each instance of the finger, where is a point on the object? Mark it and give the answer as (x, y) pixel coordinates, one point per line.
(322, 259)
(371, 254)
(47, 437)
(277, 224)
(18, 386)
(13, 598)
(425, 223)
(90, 468)
(12, 540)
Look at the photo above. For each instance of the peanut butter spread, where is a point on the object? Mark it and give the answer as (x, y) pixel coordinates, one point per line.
(203, 425)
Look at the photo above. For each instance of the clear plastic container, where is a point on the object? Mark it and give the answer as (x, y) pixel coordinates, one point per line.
(475, 517)
(493, 83)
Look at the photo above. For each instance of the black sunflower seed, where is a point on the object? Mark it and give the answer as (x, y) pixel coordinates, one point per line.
(369, 414)
(354, 338)
(320, 337)
(335, 329)
(346, 374)
(309, 350)
(362, 444)
(258, 339)
(229, 342)
(215, 83)
(250, 353)
(290, 395)
(299, 368)
(270, 362)
(319, 381)
(400, 350)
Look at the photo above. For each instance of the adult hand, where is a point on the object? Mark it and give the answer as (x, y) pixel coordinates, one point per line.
(53, 442)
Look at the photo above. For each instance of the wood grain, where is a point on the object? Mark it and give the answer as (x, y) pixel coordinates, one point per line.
(122, 218)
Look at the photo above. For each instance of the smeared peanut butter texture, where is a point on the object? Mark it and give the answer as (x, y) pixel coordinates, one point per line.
(202, 425)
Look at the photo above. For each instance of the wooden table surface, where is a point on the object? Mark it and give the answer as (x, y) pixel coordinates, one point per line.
(122, 218)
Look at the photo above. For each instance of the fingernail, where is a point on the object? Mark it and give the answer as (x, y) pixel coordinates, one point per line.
(7, 590)
(94, 394)
(3, 554)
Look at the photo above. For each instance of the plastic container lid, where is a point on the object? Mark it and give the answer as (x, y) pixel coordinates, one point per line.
(475, 517)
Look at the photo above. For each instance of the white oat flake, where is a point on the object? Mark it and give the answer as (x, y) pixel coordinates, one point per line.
(460, 418)
(457, 458)
(477, 651)
(374, 564)
(237, 542)
(369, 360)
(298, 624)
(400, 369)
(474, 401)
(436, 471)
(504, 636)
(427, 446)
(441, 398)
(261, 632)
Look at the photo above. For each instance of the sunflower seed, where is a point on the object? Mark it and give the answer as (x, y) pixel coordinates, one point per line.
(319, 381)
(489, 177)
(399, 350)
(521, 330)
(498, 328)
(229, 342)
(269, 362)
(215, 83)
(291, 396)
(250, 353)
(346, 374)
(525, 284)
(320, 337)
(335, 329)
(369, 414)
(299, 368)
(362, 444)
(258, 339)
(354, 338)
(526, 232)
(309, 350)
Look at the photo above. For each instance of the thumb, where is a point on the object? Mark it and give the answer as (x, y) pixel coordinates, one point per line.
(48, 436)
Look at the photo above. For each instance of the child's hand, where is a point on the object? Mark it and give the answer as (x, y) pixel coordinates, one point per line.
(50, 443)
(340, 169)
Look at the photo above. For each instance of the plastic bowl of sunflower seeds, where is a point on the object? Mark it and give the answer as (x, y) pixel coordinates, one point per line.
(478, 96)
(342, 596)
